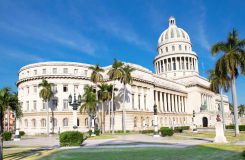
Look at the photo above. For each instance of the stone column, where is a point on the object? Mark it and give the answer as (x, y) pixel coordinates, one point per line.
(165, 102)
(176, 106)
(169, 107)
(172, 102)
(161, 103)
(178, 103)
(184, 103)
(181, 106)
(197, 65)
(157, 101)
(74, 119)
(184, 63)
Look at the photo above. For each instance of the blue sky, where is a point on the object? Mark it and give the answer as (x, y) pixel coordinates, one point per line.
(98, 31)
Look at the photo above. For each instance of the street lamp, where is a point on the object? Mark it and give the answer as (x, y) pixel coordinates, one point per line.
(76, 102)
(92, 114)
(193, 122)
(156, 134)
(17, 128)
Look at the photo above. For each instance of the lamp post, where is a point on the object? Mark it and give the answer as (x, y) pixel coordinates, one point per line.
(92, 115)
(193, 121)
(156, 134)
(76, 102)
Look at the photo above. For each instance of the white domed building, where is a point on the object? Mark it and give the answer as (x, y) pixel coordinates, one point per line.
(176, 88)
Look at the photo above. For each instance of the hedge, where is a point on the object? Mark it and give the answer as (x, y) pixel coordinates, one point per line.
(22, 133)
(71, 138)
(7, 136)
(97, 132)
(121, 131)
(181, 128)
(147, 131)
(241, 127)
(165, 131)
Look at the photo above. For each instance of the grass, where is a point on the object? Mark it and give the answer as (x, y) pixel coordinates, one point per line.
(229, 135)
(207, 152)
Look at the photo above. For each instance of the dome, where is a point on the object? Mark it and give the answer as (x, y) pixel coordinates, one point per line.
(173, 34)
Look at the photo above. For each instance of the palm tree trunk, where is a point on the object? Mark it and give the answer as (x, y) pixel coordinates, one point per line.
(234, 98)
(102, 117)
(1, 135)
(8, 119)
(222, 108)
(52, 122)
(97, 106)
(124, 97)
(109, 106)
(112, 108)
(47, 118)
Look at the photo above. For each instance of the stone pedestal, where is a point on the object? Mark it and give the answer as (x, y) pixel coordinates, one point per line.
(156, 134)
(220, 137)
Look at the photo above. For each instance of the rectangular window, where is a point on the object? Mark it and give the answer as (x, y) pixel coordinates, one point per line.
(75, 71)
(132, 100)
(28, 90)
(34, 105)
(35, 89)
(65, 104)
(54, 88)
(76, 88)
(35, 72)
(27, 105)
(65, 88)
(44, 71)
(54, 70)
(85, 72)
(65, 70)
(139, 101)
(54, 104)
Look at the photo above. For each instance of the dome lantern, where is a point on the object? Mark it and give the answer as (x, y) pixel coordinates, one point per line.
(171, 21)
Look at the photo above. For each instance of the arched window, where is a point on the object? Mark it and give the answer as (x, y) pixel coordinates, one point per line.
(180, 48)
(86, 122)
(147, 121)
(55, 122)
(33, 121)
(185, 48)
(78, 122)
(135, 121)
(43, 122)
(26, 123)
(166, 49)
(65, 122)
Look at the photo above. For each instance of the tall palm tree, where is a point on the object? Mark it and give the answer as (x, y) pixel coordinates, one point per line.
(46, 94)
(96, 77)
(89, 101)
(218, 82)
(232, 61)
(115, 73)
(8, 100)
(126, 79)
(104, 95)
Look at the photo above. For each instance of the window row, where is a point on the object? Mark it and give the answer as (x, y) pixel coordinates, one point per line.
(55, 71)
(174, 48)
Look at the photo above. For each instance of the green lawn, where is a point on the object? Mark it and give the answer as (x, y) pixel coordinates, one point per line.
(203, 152)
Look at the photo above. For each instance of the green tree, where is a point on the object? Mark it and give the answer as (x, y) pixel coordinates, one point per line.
(115, 74)
(89, 101)
(126, 79)
(219, 82)
(232, 62)
(241, 110)
(8, 100)
(96, 77)
(46, 94)
(104, 95)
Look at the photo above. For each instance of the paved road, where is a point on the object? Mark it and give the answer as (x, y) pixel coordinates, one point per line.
(132, 140)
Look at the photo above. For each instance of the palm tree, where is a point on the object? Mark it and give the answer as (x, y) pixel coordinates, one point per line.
(8, 100)
(89, 101)
(232, 61)
(115, 73)
(96, 77)
(218, 82)
(46, 94)
(104, 95)
(126, 79)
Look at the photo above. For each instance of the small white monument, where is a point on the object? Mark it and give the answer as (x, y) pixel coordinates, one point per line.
(219, 129)
(156, 132)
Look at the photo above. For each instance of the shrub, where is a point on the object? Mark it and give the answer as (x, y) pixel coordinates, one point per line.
(178, 130)
(185, 127)
(90, 132)
(166, 131)
(97, 132)
(241, 127)
(22, 133)
(71, 138)
(7, 136)
(147, 131)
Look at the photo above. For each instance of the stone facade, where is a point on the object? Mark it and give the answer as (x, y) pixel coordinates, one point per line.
(176, 88)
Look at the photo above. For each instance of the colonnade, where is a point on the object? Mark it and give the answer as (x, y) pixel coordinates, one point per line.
(167, 102)
(208, 99)
(176, 63)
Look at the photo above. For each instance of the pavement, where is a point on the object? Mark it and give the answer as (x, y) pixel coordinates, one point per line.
(124, 141)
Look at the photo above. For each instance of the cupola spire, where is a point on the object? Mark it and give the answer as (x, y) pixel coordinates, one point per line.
(171, 21)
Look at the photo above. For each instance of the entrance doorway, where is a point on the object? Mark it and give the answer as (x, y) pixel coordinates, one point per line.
(205, 122)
